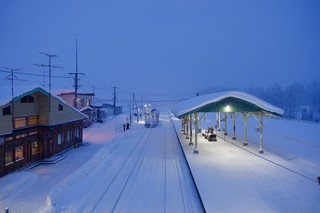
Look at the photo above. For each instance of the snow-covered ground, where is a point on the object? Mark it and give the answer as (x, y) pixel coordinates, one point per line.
(233, 178)
(142, 170)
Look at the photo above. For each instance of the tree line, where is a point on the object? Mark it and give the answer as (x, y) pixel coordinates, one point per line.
(299, 101)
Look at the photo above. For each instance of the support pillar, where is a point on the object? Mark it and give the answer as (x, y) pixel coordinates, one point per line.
(190, 119)
(187, 124)
(245, 119)
(195, 151)
(182, 124)
(234, 126)
(261, 131)
(218, 121)
(225, 124)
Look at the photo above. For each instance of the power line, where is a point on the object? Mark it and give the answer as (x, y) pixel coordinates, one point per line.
(33, 74)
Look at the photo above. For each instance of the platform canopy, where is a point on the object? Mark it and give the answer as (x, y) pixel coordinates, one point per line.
(229, 101)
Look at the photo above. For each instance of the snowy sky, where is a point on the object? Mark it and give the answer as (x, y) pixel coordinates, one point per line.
(161, 47)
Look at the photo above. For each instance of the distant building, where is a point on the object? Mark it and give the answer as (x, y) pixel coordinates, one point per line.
(83, 104)
(111, 110)
(84, 99)
(35, 125)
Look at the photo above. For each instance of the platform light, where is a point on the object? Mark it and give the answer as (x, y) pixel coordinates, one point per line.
(227, 108)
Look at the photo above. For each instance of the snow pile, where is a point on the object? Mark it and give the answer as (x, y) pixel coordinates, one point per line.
(65, 196)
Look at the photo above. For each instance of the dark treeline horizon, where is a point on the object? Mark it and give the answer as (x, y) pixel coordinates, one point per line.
(299, 101)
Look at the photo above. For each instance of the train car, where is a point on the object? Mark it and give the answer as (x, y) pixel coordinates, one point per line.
(151, 118)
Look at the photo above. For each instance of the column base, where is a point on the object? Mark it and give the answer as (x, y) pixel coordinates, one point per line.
(195, 151)
(245, 144)
(190, 144)
(261, 151)
(225, 133)
(234, 138)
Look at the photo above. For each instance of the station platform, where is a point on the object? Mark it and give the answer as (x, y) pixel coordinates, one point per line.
(233, 178)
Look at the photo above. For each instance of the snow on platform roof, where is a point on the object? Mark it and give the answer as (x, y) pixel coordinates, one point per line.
(228, 101)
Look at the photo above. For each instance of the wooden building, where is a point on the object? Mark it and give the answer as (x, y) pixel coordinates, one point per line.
(35, 125)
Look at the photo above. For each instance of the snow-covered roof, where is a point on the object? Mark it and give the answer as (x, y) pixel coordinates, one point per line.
(21, 91)
(70, 91)
(228, 101)
(85, 108)
(6, 96)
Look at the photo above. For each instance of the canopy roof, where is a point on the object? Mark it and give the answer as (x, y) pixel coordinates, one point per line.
(229, 101)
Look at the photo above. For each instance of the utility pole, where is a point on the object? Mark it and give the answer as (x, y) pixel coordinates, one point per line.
(50, 69)
(12, 77)
(76, 78)
(114, 99)
(135, 105)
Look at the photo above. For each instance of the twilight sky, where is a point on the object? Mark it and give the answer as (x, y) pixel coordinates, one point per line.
(161, 48)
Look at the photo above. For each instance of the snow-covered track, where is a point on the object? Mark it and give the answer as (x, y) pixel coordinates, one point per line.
(126, 170)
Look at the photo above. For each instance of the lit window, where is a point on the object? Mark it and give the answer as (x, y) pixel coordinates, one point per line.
(35, 148)
(21, 136)
(33, 133)
(33, 120)
(9, 157)
(19, 153)
(10, 138)
(20, 122)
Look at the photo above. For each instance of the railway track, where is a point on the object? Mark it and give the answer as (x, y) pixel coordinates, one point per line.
(154, 176)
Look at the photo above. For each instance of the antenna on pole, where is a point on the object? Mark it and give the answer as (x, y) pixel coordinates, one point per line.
(76, 78)
(12, 77)
(50, 66)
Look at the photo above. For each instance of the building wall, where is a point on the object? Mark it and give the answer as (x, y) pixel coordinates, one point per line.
(48, 143)
(83, 99)
(65, 115)
(42, 139)
(5, 121)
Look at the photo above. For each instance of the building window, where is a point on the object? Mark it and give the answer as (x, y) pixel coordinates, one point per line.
(35, 147)
(33, 120)
(21, 136)
(76, 133)
(6, 110)
(68, 136)
(60, 107)
(27, 99)
(33, 133)
(10, 138)
(19, 153)
(9, 157)
(20, 122)
(59, 139)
